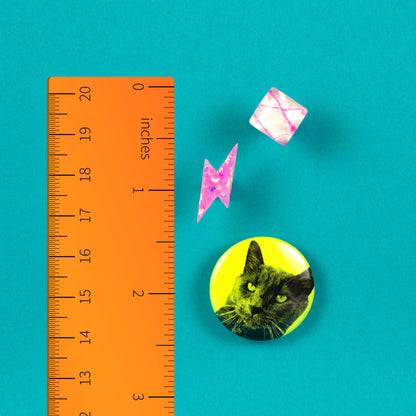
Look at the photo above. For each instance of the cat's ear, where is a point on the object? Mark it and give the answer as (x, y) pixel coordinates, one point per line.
(302, 283)
(254, 258)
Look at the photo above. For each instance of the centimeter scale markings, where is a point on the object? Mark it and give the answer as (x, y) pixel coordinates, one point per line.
(110, 246)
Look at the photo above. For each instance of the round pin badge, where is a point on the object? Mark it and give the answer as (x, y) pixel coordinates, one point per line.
(261, 288)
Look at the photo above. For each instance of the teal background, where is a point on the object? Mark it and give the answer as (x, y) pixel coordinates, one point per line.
(342, 191)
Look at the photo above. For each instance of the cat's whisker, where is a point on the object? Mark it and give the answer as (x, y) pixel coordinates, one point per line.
(279, 331)
(230, 319)
(233, 319)
(273, 330)
(229, 312)
(238, 323)
(225, 313)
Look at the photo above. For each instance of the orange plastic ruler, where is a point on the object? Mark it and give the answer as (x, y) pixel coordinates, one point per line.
(110, 246)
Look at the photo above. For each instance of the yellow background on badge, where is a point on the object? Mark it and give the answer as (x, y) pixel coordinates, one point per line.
(276, 253)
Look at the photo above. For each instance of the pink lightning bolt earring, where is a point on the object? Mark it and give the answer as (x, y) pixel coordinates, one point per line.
(217, 184)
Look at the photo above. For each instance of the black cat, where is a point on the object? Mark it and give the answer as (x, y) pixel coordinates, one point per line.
(265, 300)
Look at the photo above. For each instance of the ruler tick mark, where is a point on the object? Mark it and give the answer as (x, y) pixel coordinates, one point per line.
(161, 86)
(161, 397)
(160, 190)
(162, 293)
(61, 93)
(62, 297)
(62, 215)
(61, 378)
(56, 337)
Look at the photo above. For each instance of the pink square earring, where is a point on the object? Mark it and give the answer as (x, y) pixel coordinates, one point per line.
(278, 116)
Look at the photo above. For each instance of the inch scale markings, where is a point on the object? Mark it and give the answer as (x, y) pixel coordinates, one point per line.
(110, 246)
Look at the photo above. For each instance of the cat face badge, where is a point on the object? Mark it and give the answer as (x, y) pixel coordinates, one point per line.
(261, 288)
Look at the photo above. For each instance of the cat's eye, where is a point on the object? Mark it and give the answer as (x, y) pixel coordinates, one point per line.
(281, 298)
(251, 287)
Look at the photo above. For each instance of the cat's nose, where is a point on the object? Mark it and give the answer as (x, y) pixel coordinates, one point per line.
(255, 310)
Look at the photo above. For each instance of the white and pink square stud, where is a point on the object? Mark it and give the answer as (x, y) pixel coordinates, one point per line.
(278, 116)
